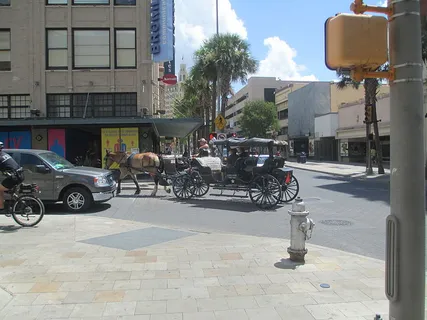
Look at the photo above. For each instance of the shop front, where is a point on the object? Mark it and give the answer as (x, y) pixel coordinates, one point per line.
(85, 141)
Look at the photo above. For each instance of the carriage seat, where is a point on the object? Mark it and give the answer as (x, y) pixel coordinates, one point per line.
(206, 165)
(267, 167)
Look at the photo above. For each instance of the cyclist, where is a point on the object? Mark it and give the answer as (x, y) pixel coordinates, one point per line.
(14, 175)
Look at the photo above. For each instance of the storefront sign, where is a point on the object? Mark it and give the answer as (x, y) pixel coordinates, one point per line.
(16, 139)
(56, 141)
(162, 30)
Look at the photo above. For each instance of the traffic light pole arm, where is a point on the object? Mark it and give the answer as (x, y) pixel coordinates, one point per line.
(359, 8)
(358, 74)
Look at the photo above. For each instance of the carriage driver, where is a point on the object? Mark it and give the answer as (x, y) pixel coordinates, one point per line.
(15, 177)
(203, 148)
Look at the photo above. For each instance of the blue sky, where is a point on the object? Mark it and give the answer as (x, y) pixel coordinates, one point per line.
(286, 36)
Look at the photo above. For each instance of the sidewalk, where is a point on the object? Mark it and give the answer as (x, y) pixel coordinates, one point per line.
(76, 267)
(338, 169)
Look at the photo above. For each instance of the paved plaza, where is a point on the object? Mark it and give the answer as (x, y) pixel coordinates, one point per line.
(77, 267)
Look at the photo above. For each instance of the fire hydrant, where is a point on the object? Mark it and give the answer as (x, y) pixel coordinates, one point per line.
(301, 230)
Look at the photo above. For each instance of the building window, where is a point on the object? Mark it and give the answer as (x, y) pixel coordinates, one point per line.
(59, 106)
(93, 105)
(4, 107)
(125, 105)
(282, 115)
(57, 49)
(4, 3)
(125, 48)
(60, 2)
(91, 49)
(124, 2)
(15, 106)
(104, 2)
(5, 64)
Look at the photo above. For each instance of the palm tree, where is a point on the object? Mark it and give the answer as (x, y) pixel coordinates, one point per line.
(371, 87)
(228, 56)
(232, 61)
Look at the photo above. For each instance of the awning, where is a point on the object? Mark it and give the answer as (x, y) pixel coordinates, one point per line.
(179, 128)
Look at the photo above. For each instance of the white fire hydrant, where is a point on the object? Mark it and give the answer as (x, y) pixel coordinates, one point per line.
(301, 230)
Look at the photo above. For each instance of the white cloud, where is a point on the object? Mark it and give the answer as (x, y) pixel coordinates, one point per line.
(280, 63)
(195, 21)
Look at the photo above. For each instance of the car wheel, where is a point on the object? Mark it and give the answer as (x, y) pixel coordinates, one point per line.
(77, 200)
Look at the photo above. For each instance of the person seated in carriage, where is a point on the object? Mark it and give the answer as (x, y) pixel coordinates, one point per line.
(203, 148)
(232, 158)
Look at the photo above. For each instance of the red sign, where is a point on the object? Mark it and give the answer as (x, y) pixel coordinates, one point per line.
(170, 79)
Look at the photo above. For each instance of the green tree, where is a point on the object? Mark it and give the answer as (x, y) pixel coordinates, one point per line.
(228, 56)
(259, 119)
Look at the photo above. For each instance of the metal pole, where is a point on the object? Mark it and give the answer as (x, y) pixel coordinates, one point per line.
(405, 259)
(369, 169)
(218, 81)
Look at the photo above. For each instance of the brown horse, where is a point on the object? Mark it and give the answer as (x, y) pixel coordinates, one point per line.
(132, 164)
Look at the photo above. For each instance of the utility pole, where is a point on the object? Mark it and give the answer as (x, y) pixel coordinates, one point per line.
(405, 260)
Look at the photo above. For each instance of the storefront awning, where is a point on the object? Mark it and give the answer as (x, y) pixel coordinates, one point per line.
(179, 128)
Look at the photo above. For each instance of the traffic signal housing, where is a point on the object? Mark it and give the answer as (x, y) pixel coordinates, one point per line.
(355, 40)
(368, 114)
(212, 135)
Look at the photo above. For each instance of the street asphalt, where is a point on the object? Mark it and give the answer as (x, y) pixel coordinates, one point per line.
(349, 214)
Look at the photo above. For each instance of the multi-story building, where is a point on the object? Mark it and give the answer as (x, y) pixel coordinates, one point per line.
(351, 131)
(310, 102)
(73, 70)
(282, 103)
(175, 92)
(257, 88)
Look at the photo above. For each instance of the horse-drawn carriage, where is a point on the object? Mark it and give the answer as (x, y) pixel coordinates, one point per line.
(266, 185)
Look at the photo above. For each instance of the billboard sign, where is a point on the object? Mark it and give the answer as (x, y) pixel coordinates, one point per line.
(162, 30)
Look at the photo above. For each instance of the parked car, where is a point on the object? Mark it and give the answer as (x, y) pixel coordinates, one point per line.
(61, 181)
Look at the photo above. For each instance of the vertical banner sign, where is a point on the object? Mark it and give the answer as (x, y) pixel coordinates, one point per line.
(162, 30)
(170, 65)
(130, 137)
(56, 141)
(19, 140)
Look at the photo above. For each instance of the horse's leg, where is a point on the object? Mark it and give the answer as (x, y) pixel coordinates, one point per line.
(135, 180)
(156, 185)
(119, 182)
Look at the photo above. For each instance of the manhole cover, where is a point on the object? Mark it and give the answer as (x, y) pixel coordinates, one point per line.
(336, 222)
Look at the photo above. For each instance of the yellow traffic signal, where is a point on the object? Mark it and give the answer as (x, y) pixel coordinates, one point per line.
(355, 40)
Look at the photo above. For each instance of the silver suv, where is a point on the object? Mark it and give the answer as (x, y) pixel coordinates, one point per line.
(59, 180)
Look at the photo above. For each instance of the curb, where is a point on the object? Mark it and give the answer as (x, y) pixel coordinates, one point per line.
(363, 176)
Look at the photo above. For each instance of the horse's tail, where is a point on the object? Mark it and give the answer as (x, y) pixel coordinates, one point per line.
(161, 164)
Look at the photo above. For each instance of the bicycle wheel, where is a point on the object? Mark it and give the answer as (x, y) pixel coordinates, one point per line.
(27, 207)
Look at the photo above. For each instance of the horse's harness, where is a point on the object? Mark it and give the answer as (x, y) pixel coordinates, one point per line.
(124, 155)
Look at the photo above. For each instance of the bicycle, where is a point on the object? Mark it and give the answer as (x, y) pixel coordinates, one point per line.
(21, 196)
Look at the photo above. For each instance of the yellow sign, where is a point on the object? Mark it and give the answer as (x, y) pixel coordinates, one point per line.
(220, 122)
(119, 139)
(129, 139)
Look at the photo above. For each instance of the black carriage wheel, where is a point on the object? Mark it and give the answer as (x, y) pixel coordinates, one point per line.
(201, 188)
(183, 187)
(265, 191)
(290, 191)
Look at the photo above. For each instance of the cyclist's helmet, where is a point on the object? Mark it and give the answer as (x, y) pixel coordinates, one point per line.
(1, 145)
